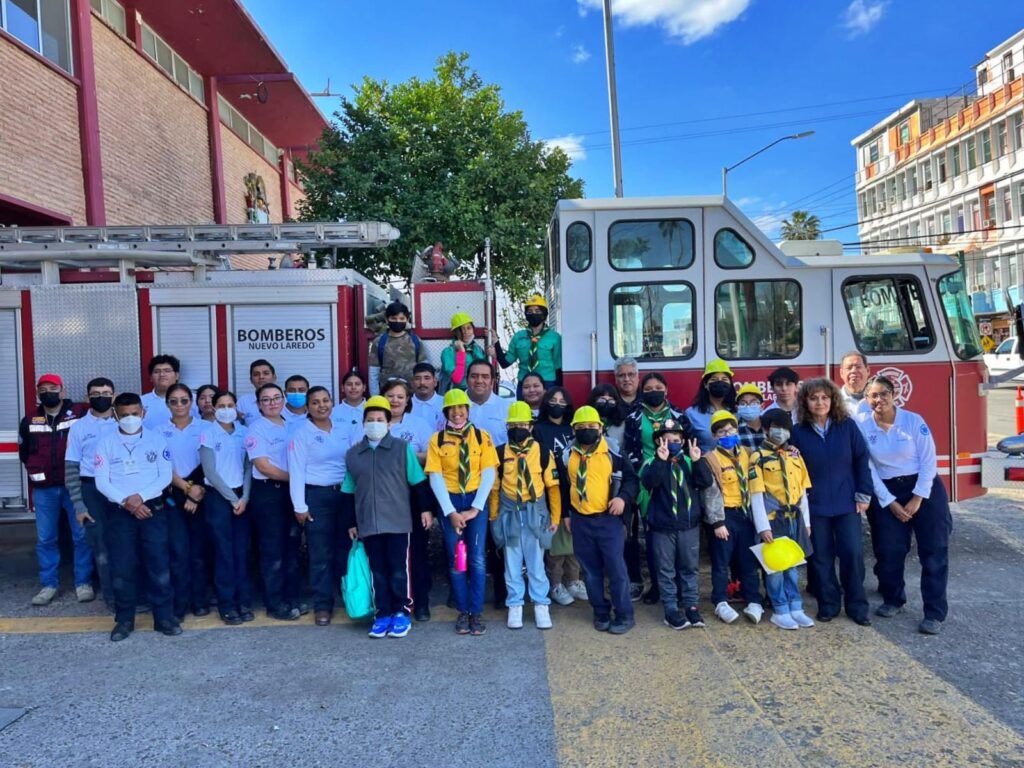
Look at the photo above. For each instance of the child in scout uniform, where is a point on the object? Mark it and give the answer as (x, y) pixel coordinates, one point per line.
(785, 512)
(731, 519)
(602, 489)
(526, 508)
(537, 348)
(674, 478)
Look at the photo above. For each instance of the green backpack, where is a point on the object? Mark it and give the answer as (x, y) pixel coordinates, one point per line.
(357, 584)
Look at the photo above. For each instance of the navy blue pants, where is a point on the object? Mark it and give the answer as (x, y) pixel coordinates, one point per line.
(188, 537)
(419, 556)
(126, 535)
(279, 539)
(388, 554)
(931, 526)
(839, 537)
(96, 535)
(597, 542)
(733, 555)
(230, 534)
(328, 542)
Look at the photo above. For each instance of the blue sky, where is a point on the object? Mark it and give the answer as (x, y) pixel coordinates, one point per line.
(702, 83)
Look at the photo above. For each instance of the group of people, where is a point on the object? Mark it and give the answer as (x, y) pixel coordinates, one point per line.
(170, 491)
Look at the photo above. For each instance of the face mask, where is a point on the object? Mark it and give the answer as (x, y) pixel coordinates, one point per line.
(674, 449)
(653, 399)
(533, 319)
(50, 399)
(459, 424)
(557, 411)
(606, 410)
(748, 412)
(588, 436)
(375, 430)
(719, 389)
(396, 326)
(296, 399)
(225, 415)
(130, 424)
(778, 435)
(729, 442)
(101, 403)
(518, 435)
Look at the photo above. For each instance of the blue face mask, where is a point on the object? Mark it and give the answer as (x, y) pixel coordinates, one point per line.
(749, 412)
(674, 448)
(729, 442)
(296, 399)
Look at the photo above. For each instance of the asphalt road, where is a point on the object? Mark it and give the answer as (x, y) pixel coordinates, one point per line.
(1001, 417)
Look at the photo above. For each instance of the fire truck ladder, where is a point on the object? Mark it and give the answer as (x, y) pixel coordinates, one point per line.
(201, 247)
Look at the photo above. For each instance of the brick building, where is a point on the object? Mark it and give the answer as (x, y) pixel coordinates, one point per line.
(146, 111)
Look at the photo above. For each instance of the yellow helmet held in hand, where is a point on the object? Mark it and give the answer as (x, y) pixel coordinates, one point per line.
(536, 301)
(460, 319)
(377, 402)
(455, 397)
(782, 554)
(719, 416)
(718, 365)
(519, 413)
(750, 389)
(586, 415)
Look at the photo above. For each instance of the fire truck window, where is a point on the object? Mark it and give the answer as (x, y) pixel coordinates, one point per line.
(579, 251)
(732, 251)
(888, 315)
(652, 321)
(652, 244)
(956, 306)
(758, 319)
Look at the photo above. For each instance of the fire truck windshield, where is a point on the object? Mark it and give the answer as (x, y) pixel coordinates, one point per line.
(957, 307)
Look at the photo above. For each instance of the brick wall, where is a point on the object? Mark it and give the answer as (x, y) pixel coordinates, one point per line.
(240, 160)
(297, 197)
(153, 136)
(40, 153)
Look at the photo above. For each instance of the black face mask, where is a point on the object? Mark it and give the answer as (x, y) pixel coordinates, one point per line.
(396, 326)
(534, 319)
(587, 436)
(606, 410)
(719, 389)
(50, 399)
(654, 398)
(518, 435)
(557, 411)
(101, 403)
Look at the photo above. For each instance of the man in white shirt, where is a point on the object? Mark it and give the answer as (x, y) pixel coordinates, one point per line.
(296, 389)
(164, 371)
(132, 469)
(426, 403)
(260, 372)
(486, 410)
(854, 371)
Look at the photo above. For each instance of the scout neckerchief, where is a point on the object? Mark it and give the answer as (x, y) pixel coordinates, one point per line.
(679, 484)
(581, 470)
(524, 478)
(463, 435)
(533, 361)
(658, 416)
(734, 460)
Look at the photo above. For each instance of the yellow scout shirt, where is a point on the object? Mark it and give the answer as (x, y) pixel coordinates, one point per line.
(730, 465)
(786, 491)
(599, 480)
(545, 480)
(445, 458)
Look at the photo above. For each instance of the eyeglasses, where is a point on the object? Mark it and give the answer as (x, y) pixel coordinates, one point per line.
(271, 400)
(179, 402)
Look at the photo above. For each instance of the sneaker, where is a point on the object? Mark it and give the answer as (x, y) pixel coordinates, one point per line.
(636, 591)
(754, 612)
(675, 620)
(693, 617)
(285, 614)
(380, 627)
(726, 613)
(602, 623)
(784, 621)
(462, 624)
(541, 616)
(622, 626)
(44, 596)
(84, 593)
(476, 624)
(515, 617)
(802, 619)
(578, 590)
(400, 625)
(887, 611)
(561, 595)
(929, 627)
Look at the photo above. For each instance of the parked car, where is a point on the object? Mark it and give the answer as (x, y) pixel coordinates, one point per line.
(1005, 358)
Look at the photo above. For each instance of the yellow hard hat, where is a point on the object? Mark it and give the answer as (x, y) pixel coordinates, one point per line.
(782, 554)
(586, 415)
(536, 301)
(719, 416)
(455, 397)
(460, 319)
(750, 389)
(377, 401)
(519, 413)
(718, 365)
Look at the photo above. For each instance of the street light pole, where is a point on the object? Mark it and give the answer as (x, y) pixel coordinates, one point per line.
(725, 170)
(613, 99)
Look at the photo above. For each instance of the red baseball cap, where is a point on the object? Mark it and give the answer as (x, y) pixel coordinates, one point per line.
(49, 378)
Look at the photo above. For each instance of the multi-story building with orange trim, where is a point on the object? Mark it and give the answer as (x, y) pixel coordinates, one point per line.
(948, 174)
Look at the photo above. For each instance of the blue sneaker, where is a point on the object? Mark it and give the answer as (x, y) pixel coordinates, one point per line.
(380, 627)
(400, 625)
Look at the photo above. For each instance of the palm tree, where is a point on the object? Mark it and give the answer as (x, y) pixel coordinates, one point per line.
(801, 226)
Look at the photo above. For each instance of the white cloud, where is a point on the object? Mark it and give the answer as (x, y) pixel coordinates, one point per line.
(560, 31)
(746, 202)
(861, 16)
(770, 223)
(571, 144)
(689, 20)
(579, 54)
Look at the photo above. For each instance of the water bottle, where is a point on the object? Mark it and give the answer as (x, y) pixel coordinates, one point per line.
(460, 556)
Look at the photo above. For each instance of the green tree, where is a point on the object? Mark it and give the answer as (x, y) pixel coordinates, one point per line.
(441, 159)
(801, 226)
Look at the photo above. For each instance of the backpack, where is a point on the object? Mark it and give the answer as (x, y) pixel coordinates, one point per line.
(357, 584)
(383, 340)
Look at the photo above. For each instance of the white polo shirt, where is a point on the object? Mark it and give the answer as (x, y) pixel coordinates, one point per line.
(491, 416)
(184, 445)
(83, 437)
(430, 410)
(269, 441)
(906, 448)
(228, 451)
(315, 457)
(132, 464)
(157, 412)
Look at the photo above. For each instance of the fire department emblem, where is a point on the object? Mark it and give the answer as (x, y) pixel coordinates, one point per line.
(901, 380)
(151, 456)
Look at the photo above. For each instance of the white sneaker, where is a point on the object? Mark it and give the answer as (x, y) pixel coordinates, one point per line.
(802, 619)
(726, 613)
(754, 612)
(44, 596)
(578, 590)
(542, 616)
(561, 595)
(85, 593)
(515, 617)
(783, 621)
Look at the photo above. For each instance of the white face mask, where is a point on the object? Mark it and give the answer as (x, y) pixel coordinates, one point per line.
(375, 430)
(130, 424)
(225, 415)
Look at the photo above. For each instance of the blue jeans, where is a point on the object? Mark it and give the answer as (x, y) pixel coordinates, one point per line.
(529, 551)
(468, 586)
(96, 535)
(48, 503)
(784, 590)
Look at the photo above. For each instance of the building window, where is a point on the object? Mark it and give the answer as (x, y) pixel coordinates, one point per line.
(1008, 74)
(652, 321)
(1007, 205)
(112, 12)
(912, 180)
(926, 174)
(1011, 276)
(579, 250)
(972, 155)
(233, 119)
(947, 224)
(960, 219)
(954, 159)
(1017, 127)
(941, 162)
(873, 151)
(42, 25)
(988, 209)
(651, 244)
(758, 319)
(172, 64)
(1020, 201)
(1001, 145)
(904, 132)
(986, 146)
(982, 77)
(888, 315)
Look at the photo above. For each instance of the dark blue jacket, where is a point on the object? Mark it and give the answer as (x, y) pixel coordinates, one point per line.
(838, 466)
(663, 514)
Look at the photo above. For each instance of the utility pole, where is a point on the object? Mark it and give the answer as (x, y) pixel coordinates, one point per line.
(613, 99)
